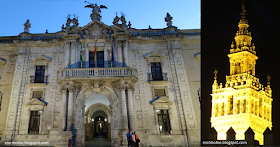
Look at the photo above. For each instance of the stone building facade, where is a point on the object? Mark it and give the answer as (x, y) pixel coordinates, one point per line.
(105, 80)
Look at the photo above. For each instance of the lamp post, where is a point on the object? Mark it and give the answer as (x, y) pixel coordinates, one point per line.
(1, 95)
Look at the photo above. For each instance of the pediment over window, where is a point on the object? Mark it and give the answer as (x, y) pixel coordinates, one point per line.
(38, 102)
(163, 100)
(154, 57)
(41, 60)
(2, 61)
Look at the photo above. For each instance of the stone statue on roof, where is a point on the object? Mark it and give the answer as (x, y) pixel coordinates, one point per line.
(95, 11)
(168, 19)
(27, 25)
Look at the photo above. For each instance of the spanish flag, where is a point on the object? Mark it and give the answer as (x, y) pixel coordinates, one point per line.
(95, 54)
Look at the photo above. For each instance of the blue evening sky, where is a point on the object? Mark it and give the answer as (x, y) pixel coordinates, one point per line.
(51, 14)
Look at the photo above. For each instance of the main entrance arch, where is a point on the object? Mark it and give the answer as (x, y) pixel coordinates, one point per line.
(98, 122)
(82, 115)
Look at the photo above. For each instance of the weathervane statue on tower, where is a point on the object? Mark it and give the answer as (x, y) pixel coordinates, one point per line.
(95, 11)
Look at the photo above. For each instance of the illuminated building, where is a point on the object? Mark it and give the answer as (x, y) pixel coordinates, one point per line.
(243, 101)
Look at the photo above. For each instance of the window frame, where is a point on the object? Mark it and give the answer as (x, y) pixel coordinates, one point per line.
(168, 123)
(40, 122)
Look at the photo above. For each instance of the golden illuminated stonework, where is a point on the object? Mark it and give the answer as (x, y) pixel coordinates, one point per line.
(243, 101)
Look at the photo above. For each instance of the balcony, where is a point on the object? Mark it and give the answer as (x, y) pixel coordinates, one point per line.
(157, 79)
(39, 79)
(97, 73)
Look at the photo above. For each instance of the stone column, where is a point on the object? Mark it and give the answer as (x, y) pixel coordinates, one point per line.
(119, 55)
(66, 54)
(87, 58)
(130, 108)
(63, 114)
(73, 55)
(124, 109)
(105, 57)
(70, 108)
(125, 54)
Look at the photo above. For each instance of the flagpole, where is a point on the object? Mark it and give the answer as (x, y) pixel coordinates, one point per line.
(81, 57)
(95, 53)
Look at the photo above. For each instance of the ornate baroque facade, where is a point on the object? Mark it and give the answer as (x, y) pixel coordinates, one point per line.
(243, 101)
(144, 80)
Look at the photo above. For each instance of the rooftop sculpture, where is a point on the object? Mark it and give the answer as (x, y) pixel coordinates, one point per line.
(27, 25)
(95, 11)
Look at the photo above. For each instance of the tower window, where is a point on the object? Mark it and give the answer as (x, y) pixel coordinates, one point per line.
(222, 109)
(237, 106)
(230, 105)
(244, 106)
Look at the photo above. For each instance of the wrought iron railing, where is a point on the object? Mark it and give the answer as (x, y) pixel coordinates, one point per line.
(38, 79)
(85, 72)
(157, 77)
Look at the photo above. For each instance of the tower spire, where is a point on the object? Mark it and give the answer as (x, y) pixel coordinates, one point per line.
(243, 36)
(243, 13)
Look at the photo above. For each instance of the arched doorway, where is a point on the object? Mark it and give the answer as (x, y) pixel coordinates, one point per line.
(92, 100)
(98, 124)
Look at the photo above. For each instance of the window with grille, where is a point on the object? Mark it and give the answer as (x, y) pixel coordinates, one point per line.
(159, 92)
(163, 121)
(34, 122)
(37, 94)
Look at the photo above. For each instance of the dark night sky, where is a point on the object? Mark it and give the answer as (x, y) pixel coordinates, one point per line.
(219, 25)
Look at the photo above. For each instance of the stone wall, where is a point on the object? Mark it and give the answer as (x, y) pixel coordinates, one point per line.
(7, 70)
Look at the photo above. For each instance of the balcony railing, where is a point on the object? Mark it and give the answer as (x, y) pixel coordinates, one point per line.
(157, 77)
(97, 72)
(38, 79)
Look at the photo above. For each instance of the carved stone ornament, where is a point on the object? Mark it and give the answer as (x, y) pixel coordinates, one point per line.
(95, 32)
(162, 101)
(41, 60)
(155, 57)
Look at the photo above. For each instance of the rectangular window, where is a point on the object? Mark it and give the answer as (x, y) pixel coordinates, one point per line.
(99, 59)
(159, 92)
(39, 74)
(37, 94)
(163, 121)
(34, 122)
(156, 71)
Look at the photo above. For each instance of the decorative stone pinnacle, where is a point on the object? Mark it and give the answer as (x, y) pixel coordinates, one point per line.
(268, 79)
(215, 72)
(232, 45)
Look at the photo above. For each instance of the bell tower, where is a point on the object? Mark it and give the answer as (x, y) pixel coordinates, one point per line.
(242, 55)
(243, 101)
